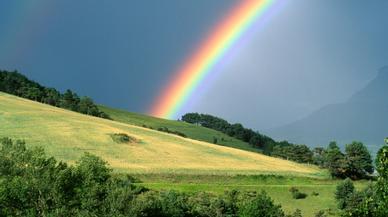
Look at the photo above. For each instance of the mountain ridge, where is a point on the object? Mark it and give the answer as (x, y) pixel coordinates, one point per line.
(360, 118)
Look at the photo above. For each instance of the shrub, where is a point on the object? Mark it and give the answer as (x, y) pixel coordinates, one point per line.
(166, 130)
(314, 193)
(320, 213)
(296, 194)
(260, 205)
(179, 134)
(297, 213)
(343, 192)
(122, 138)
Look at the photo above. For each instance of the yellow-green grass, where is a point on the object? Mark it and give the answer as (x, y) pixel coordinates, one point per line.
(67, 135)
(276, 186)
(190, 130)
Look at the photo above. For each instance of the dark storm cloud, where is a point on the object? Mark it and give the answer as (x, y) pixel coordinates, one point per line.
(121, 53)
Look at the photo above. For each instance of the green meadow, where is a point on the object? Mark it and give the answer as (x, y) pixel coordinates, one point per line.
(276, 186)
(190, 130)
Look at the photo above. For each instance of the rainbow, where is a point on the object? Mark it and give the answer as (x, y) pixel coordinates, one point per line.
(185, 81)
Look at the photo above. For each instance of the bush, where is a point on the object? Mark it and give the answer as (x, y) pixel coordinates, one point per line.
(343, 192)
(297, 213)
(315, 193)
(296, 194)
(166, 130)
(260, 205)
(122, 138)
(320, 213)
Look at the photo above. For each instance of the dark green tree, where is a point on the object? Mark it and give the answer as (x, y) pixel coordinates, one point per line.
(319, 156)
(344, 190)
(335, 160)
(192, 118)
(87, 106)
(260, 205)
(358, 161)
(382, 182)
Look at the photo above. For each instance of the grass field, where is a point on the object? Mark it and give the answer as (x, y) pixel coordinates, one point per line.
(276, 186)
(190, 130)
(67, 135)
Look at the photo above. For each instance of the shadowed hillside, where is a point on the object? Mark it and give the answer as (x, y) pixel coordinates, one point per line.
(364, 117)
(189, 130)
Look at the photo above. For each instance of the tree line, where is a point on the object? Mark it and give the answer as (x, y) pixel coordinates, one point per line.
(237, 130)
(17, 84)
(355, 163)
(32, 184)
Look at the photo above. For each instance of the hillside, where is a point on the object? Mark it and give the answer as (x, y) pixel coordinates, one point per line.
(66, 135)
(363, 118)
(190, 130)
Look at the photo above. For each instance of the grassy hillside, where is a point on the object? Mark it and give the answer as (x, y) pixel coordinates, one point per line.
(190, 130)
(66, 135)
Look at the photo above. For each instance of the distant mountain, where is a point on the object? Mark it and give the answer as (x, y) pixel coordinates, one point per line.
(364, 117)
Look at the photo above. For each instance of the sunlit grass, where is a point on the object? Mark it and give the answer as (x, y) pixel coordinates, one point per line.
(67, 135)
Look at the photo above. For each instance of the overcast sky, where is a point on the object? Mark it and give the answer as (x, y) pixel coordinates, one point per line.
(308, 54)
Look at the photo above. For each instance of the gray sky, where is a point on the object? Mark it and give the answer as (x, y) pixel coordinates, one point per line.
(310, 53)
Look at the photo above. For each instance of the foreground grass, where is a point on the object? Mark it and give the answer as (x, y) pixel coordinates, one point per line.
(67, 135)
(190, 130)
(276, 186)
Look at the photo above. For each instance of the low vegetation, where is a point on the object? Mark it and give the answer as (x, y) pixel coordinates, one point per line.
(32, 184)
(166, 130)
(123, 138)
(296, 194)
(19, 85)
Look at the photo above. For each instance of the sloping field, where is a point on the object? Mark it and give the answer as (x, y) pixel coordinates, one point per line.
(67, 135)
(190, 130)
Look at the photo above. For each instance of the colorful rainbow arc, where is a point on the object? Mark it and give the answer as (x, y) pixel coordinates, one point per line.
(211, 51)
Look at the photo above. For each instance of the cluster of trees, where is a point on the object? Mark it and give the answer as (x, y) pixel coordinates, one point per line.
(355, 163)
(19, 85)
(238, 131)
(371, 201)
(32, 184)
(297, 153)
